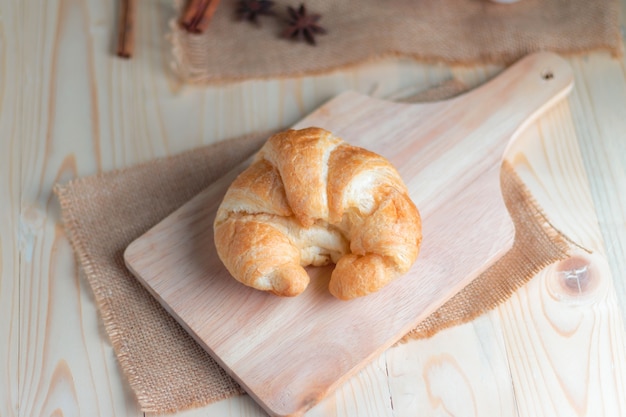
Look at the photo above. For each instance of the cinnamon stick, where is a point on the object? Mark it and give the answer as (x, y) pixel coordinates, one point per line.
(198, 14)
(126, 29)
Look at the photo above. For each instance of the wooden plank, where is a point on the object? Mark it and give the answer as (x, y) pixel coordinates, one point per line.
(565, 336)
(65, 363)
(10, 146)
(601, 93)
(459, 371)
(484, 122)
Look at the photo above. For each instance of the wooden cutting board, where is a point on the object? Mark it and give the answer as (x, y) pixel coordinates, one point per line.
(288, 353)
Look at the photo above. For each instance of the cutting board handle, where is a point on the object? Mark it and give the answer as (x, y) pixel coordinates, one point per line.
(465, 134)
(521, 92)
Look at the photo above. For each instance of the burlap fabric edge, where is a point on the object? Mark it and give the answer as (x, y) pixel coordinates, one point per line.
(192, 76)
(190, 56)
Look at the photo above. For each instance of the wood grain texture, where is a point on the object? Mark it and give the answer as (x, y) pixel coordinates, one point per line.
(441, 376)
(565, 336)
(65, 364)
(602, 82)
(109, 113)
(452, 171)
(10, 150)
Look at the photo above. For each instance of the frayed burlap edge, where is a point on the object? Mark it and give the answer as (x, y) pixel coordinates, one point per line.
(186, 72)
(189, 76)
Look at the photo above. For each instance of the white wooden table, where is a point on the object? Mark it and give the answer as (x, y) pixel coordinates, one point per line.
(69, 108)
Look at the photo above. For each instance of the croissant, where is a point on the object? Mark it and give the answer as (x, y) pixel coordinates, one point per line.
(309, 198)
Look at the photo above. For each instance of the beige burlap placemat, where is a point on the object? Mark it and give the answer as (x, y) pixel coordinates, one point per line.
(166, 369)
(450, 31)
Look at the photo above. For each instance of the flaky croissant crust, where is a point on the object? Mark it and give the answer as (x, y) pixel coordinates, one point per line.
(309, 198)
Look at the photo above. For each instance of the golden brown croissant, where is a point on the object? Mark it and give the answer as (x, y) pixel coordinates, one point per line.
(309, 198)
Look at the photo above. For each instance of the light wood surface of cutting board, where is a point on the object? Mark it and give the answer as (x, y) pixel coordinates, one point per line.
(288, 353)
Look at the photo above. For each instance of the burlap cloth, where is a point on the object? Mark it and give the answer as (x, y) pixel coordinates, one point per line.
(450, 31)
(165, 367)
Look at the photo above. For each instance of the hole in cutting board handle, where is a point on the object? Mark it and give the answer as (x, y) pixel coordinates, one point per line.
(547, 74)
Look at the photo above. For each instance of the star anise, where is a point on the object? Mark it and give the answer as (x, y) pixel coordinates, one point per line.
(303, 24)
(251, 9)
